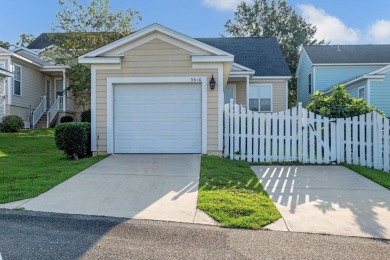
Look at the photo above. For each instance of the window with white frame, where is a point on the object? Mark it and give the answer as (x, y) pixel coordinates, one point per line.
(260, 98)
(362, 93)
(17, 70)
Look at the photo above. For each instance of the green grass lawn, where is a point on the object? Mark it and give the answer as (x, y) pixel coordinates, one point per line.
(30, 164)
(230, 192)
(380, 177)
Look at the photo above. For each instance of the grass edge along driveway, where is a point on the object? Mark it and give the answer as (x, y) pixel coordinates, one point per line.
(378, 176)
(230, 192)
(31, 164)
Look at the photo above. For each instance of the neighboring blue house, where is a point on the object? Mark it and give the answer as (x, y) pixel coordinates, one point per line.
(363, 69)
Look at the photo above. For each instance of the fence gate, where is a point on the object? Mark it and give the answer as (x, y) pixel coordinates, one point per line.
(297, 135)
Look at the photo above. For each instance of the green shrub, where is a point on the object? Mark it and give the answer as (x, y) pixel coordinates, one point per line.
(86, 116)
(12, 123)
(66, 119)
(339, 104)
(74, 139)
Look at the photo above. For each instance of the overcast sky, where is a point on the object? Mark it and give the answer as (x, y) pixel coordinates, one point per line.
(337, 21)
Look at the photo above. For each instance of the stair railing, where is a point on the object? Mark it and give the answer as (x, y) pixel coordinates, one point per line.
(39, 111)
(53, 111)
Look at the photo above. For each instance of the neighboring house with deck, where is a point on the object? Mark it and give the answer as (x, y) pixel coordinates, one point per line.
(35, 90)
(160, 91)
(363, 69)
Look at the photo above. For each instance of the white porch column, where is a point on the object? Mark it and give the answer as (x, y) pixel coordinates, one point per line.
(64, 89)
(247, 91)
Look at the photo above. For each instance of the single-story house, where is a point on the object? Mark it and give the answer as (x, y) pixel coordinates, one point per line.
(153, 91)
(34, 89)
(363, 69)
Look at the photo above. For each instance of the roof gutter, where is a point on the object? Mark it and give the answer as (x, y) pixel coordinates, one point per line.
(272, 77)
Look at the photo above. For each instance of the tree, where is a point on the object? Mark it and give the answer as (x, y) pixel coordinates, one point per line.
(25, 39)
(5, 45)
(278, 19)
(81, 29)
(339, 104)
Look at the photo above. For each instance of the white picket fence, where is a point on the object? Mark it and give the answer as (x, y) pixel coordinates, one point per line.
(297, 135)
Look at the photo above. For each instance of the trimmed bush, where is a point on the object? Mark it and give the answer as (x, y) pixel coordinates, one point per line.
(340, 104)
(74, 139)
(86, 116)
(66, 119)
(12, 123)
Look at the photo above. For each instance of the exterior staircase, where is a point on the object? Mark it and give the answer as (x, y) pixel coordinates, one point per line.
(42, 123)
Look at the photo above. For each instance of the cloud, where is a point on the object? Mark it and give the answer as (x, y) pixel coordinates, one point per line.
(329, 27)
(223, 5)
(380, 31)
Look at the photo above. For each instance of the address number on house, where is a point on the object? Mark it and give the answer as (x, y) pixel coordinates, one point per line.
(196, 79)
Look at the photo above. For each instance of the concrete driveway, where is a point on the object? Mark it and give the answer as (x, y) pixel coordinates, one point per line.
(328, 200)
(158, 187)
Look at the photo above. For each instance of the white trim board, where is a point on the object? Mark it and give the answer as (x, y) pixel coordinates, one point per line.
(94, 68)
(111, 82)
(271, 77)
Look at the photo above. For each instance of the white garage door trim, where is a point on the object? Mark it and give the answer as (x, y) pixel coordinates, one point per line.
(159, 80)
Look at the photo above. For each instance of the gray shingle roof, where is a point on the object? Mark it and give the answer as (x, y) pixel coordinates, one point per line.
(328, 54)
(262, 54)
(33, 58)
(41, 42)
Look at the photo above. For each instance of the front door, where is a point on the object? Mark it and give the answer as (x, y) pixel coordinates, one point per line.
(229, 93)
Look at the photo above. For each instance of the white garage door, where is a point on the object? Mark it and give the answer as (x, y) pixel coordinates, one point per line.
(157, 118)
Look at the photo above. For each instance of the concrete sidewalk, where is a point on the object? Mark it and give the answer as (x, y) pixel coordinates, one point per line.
(328, 200)
(157, 187)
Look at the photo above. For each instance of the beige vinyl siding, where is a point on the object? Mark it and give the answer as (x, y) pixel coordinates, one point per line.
(155, 59)
(279, 96)
(240, 91)
(33, 86)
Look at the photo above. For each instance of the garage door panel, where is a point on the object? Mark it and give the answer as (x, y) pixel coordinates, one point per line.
(157, 119)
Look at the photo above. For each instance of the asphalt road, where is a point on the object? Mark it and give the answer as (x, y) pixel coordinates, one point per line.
(32, 235)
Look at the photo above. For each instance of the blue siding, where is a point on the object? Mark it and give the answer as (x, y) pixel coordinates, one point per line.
(328, 76)
(353, 90)
(380, 94)
(303, 85)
